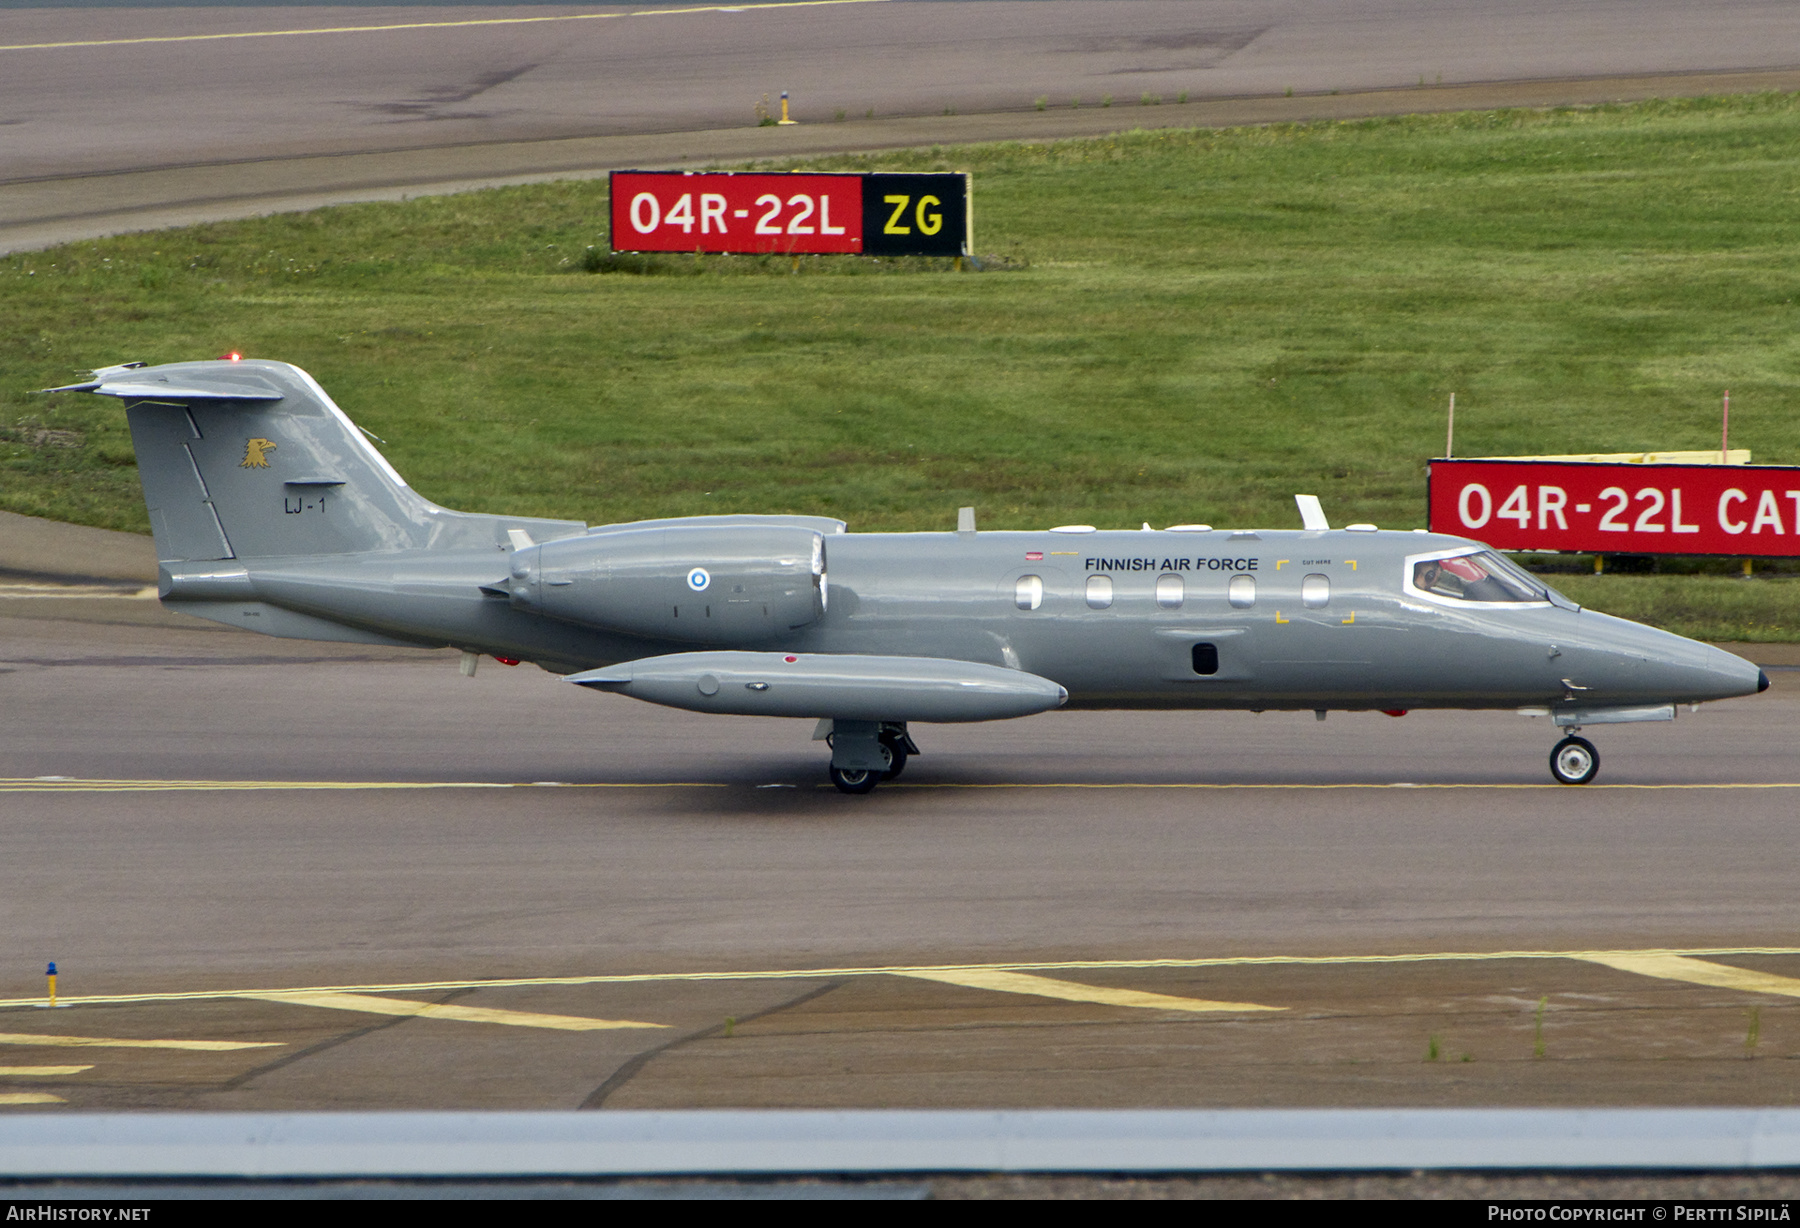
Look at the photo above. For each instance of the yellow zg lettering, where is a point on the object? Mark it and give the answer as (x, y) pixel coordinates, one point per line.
(899, 203)
(929, 224)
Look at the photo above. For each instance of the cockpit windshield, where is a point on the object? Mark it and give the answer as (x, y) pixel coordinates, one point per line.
(1484, 576)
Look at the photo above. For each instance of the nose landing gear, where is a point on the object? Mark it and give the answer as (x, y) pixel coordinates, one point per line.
(1574, 761)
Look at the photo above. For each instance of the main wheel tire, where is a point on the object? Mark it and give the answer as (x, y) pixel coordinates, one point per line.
(855, 780)
(897, 756)
(1574, 761)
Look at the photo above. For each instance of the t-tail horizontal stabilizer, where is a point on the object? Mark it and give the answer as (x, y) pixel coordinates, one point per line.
(251, 459)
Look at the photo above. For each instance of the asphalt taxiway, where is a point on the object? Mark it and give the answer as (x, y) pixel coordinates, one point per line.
(128, 119)
(278, 874)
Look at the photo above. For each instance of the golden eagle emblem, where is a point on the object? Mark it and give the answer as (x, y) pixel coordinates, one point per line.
(256, 453)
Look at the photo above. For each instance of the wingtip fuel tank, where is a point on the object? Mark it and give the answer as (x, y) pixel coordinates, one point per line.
(840, 686)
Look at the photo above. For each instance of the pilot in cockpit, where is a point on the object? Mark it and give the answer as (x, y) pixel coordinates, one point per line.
(1473, 577)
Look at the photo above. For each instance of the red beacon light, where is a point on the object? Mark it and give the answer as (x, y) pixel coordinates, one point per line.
(234, 356)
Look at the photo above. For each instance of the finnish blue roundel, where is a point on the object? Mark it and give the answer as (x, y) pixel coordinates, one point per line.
(698, 579)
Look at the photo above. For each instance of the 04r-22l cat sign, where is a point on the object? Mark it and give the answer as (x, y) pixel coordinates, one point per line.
(799, 214)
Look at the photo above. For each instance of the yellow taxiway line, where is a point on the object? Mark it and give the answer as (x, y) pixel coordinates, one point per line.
(113, 1042)
(332, 1000)
(942, 972)
(30, 1098)
(1670, 967)
(431, 25)
(40, 1071)
(1071, 991)
(61, 784)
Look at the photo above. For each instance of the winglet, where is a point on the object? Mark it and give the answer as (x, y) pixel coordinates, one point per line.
(1312, 516)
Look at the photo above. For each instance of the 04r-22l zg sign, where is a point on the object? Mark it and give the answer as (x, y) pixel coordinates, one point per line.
(869, 215)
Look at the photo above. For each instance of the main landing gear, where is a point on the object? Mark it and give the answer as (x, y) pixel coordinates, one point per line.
(857, 747)
(1574, 761)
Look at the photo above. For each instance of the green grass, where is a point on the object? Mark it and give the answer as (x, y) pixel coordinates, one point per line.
(1719, 608)
(1186, 325)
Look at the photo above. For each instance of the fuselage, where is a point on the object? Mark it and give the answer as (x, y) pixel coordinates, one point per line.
(1321, 619)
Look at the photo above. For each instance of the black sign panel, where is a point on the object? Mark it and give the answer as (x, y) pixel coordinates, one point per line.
(916, 215)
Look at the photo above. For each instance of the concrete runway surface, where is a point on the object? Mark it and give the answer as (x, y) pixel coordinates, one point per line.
(120, 118)
(534, 896)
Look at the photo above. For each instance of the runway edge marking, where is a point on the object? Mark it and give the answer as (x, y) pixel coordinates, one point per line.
(790, 974)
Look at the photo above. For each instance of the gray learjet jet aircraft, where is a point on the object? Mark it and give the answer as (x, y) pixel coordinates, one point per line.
(272, 511)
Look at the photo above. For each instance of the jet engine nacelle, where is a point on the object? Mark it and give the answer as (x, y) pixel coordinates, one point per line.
(711, 584)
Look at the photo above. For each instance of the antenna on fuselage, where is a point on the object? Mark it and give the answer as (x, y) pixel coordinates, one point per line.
(1312, 516)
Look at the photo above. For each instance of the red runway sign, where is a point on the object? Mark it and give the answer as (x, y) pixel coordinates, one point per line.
(875, 214)
(1619, 509)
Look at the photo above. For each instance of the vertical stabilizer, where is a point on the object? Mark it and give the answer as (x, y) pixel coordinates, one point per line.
(251, 459)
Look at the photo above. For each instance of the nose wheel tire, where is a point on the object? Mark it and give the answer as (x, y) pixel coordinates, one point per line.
(855, 780)
(1574, 761)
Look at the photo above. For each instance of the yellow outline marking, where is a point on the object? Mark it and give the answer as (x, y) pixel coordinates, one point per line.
(1280, 619)
(1069, 991)
(41, 1071)
(430, 25)
(1352, 563)
(1699, 972)
(1351, 620)
(338, 1001)
(106, 1042)
(1279, 562)
(30, 1098)
(792, 974)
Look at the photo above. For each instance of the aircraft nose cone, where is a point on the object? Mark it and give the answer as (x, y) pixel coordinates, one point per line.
(1762, 681)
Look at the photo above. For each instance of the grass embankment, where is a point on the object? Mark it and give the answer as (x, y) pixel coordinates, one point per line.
(1205, 323)
(1719, 608)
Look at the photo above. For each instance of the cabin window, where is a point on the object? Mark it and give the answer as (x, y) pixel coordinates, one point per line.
(1476, 577)
(1206, 658)
(1169, 592)
(1099, 592)
(1028, 593)
(1315, 591)
(1241, 592)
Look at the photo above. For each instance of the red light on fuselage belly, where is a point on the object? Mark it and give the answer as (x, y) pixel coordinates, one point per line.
(507, 660)
(234, 356)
